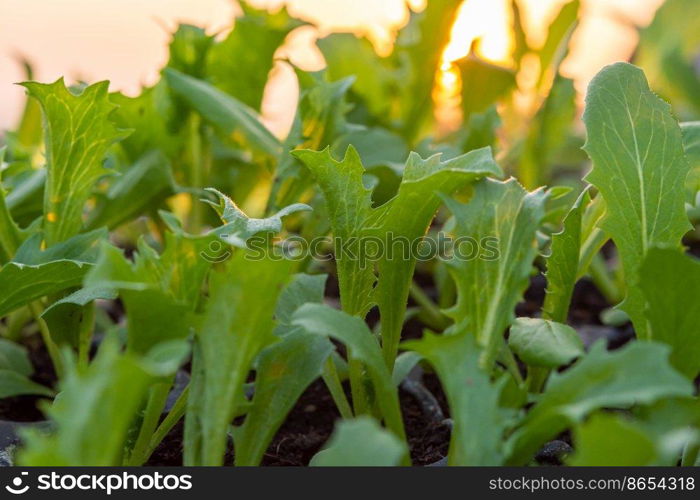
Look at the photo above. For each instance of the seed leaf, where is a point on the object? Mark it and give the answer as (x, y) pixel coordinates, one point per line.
(539, 342)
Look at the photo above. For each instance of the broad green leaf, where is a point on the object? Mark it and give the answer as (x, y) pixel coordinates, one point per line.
(95, 405)
(35, 273)
(78, 132)
(66, 316)
(503, 218)
(418, 195)
(360, 442)
(236, 326)
(479, 423)
(362, 346)
(483, 84)
(540, 342)
(240, 63)
(611, 440)
(224, 111)
(284, 370)
(238, 228)
(670, 285)
(14, 357)
(146, 184)
(639, 168)
(601, 379)
(563, 262)
(302, 288)
(349, 206)
(13, 383)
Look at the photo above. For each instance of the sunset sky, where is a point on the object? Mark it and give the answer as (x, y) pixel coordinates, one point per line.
(124, 41)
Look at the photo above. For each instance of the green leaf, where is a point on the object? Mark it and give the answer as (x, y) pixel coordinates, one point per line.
(78, 133)
(691, 145)
(238, 228)
(619, 379)
(240, 63)
(483, 84)
(224, 111)
(302, 288)
(479, 423)
(65, 316)
(503, 218)
(13, 383)
(96, 405)
(236, 326)
(284, 370)
(639, 168)
(10, 234)
(349, 206)
(673, 311)
(611, 440)
(14, 357)
(539, 342)
(419, 195)
(360, 442)
(563, 262)
(146, 184)
(362, 346)
(555, 46)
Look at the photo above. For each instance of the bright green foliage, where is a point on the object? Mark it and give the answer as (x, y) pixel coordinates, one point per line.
(503, 218)
(670, 284)
(639, 168)
(78, 132)
(539, 342)
(601, 379)
(483, 84)
(479, 423)
(96, 405)
(555, 46)
(236, 326)
(563, 262)
(224, 111)
(360, 442)
(15, 370)
(251, 45)
(284, 370)
(408, 216)
(349, 207)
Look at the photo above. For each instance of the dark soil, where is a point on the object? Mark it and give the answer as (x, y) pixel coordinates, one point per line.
(24, 408)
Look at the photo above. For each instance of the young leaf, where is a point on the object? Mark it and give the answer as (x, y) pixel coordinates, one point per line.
(555, 46)
(236, 326)
(14, 357)
(349, 206)
(639, 168)
(97, 405)
(563, 263)
(15, 384)
(479, 423)
(360, 442)
(78, 132)
(224, 111)
(363, 346)
(284, 371)
(602, 379)
(483, 84)
(303, 288)
(490, 285)
(10, 234)
(419, 196)
(539, 342)
(673, 311)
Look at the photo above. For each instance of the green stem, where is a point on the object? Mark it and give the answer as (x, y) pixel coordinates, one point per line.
(357, 386)
(51, 346)
(332, 380)
(536, 378)
(176, 413)
(603, 281)
(433, 316)
(154, 407)
(86, 328)
(511, 364)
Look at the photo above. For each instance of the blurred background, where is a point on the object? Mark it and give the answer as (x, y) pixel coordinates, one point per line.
(125, 41)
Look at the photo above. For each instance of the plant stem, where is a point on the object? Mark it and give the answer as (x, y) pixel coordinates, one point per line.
(511, 364)
(332, 380)
(154, 407)
(175, 414)
(432, 313)
(51, 346)
(601, 277)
